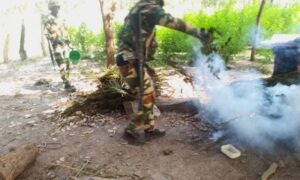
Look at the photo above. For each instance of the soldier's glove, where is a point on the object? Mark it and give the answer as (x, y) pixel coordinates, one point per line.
(206, 38)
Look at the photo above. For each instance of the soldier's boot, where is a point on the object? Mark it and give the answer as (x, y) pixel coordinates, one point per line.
(133, 138)
(156, 133)
(69, 88)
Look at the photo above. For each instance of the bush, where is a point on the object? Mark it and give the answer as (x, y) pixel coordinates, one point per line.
(174, 43)
(278, 19)
(232, 22)
(90, 43)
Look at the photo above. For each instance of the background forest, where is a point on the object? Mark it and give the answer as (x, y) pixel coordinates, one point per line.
(235, 20)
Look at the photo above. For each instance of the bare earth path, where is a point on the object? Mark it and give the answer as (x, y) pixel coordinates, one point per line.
(28, 114)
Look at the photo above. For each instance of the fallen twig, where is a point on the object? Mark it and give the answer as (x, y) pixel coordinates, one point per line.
(212, 143)
(4, 145)
(226, 123)
(45, 145)
(82, 168)
(52, 165)
(270, 171)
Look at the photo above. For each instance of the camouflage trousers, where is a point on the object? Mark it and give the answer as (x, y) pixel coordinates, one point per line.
(143, 118)
(62, 63)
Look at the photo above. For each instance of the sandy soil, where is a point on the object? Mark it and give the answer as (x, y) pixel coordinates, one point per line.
(30, 113)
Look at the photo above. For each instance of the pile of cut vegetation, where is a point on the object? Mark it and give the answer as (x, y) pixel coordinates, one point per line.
(109, 96)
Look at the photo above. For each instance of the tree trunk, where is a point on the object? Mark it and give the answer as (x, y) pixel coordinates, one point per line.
(22, 51)
(14, 163)
(43, 43)
(253, 50)
(6, 48)
(108, 26)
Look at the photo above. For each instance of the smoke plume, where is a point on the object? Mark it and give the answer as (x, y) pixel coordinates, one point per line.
(259, 116)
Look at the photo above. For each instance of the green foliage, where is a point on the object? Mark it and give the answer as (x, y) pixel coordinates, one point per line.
(88, 42)
(118, 27)
(233, 23)
(174, 43)
(265, 56)
(278, 19)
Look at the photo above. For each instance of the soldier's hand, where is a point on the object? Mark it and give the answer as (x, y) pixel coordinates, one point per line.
(204, 36)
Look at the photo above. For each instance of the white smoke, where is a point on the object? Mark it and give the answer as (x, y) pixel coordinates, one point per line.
(256, 35)
(258, 116)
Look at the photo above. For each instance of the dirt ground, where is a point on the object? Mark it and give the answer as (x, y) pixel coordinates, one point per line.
(30, 113)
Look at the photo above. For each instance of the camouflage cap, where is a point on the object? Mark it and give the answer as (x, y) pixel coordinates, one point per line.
(53, 3)
(158, 2)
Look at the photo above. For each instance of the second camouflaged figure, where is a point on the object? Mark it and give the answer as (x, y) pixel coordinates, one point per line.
(56, 33)
(152, 14)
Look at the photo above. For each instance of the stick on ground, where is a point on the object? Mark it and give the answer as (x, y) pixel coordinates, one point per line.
(12, 164)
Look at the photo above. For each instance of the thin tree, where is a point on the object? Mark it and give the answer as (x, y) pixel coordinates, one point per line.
(253, 50)
(22, 51)
(43, 43)
(108, 27)
(6, 48)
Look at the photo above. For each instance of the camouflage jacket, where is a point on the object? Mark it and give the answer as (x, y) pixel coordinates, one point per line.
(55, 29)
(152, 14)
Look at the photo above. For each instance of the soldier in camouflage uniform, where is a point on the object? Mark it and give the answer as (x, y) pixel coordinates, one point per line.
(56, 33)
(152, 14)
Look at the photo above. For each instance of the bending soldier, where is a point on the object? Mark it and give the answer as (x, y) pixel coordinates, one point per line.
(56, 32)
(152, 14)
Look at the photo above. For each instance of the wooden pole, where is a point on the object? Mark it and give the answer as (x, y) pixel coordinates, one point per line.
(253, 50)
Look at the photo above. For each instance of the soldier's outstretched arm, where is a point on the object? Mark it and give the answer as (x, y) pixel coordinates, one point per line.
(167, 20)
